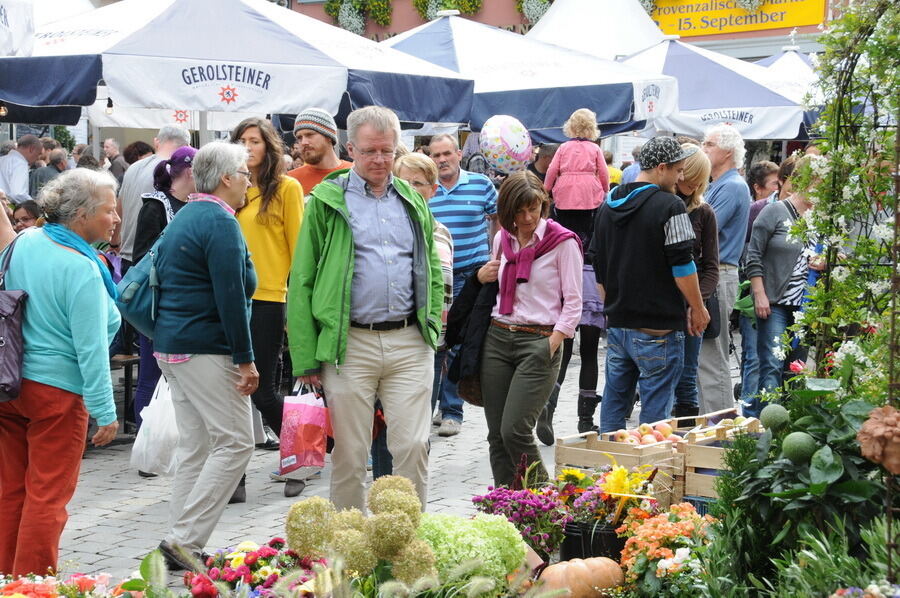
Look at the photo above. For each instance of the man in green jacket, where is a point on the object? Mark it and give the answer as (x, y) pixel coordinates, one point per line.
(364, 307)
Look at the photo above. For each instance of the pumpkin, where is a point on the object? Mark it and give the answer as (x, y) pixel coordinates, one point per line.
(583, 578)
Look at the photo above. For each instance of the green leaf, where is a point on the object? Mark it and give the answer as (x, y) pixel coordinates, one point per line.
(824, 468)
(792, 493)
(784, 532)
(816, 387)
(857, 411)
(145, 566)
(818, 489)
(855, 490)
(134, 585)
(762, 446)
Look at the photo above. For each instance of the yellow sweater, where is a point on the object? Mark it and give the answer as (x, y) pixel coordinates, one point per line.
(271, 240)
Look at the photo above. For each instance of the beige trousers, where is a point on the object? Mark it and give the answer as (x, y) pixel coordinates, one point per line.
(398, 367)
(214, 446)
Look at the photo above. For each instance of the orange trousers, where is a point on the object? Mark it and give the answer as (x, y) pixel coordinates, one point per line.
(42, 440)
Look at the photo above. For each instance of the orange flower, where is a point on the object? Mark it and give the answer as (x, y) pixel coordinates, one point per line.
(30, 589)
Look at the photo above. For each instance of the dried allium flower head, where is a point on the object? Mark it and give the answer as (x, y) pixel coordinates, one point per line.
(351, 518)
(391, 482)
(354, 548)
(414, 562)
(393, 501)
(309, 526)
(879, 438)
(388, 533)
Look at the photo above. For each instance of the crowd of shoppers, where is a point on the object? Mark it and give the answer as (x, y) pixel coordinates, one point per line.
(392, 281)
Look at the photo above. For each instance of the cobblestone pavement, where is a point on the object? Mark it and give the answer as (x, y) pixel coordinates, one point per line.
(117, 517)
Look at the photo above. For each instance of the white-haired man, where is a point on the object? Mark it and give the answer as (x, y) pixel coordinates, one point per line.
(138, 180)
(14, 174)
(729, 197)
(364, 307)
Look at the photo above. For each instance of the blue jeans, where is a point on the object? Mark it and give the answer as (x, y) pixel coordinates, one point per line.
(632, 358)
(749, 368)
(686, 392)
(769, 336)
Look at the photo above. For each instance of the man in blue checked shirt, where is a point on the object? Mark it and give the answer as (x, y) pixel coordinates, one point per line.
(466, 203)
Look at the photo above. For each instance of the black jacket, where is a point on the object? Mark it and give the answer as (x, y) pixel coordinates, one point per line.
(643, 240)
(467, 324)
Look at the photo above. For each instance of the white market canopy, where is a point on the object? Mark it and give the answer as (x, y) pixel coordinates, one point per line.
(797, 72)
(538, 83)
(715, 88)
(247, 56)
(606, 28)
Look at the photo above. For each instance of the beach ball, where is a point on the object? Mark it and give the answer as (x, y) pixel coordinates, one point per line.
(505, 143)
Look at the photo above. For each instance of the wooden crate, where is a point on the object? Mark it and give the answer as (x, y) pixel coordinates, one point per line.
(703, 456)
(590, 451)
(683, 425)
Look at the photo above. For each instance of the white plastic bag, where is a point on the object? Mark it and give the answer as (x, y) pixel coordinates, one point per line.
(156, 444)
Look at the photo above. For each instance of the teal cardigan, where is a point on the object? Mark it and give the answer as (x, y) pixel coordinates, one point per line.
(206, 282)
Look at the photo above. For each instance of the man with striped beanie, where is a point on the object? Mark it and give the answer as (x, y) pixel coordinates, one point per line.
(316, 134)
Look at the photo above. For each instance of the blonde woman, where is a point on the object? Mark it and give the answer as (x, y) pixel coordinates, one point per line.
(706, 257)
(578, 178)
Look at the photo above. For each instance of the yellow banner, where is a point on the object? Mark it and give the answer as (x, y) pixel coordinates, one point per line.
(689, 18)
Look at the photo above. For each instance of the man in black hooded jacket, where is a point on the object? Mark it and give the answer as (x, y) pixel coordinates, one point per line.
(645, 273)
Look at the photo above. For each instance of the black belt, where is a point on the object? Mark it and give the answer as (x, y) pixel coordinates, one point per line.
(382, 326)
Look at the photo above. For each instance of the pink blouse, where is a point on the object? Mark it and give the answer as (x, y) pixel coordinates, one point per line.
(577, 176)
(552, 295)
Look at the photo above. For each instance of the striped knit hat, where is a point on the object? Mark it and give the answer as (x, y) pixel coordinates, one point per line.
(316, 119)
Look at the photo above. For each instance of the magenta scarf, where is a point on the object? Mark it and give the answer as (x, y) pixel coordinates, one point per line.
(518, 265)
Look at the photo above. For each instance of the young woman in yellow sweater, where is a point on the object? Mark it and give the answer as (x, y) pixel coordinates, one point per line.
(270, 220)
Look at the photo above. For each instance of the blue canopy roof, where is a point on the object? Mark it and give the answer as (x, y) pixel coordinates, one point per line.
(538, 83)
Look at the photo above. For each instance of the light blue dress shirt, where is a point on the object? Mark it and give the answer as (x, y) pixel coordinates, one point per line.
(383, 242)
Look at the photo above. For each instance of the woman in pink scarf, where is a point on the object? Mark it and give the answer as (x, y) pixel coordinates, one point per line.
(537, 306)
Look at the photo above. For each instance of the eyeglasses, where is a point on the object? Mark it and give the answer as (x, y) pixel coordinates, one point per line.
(246, 173)
(383, 154)
(419, 184)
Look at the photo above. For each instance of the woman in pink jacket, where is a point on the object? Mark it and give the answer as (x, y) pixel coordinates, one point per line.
(577, 177)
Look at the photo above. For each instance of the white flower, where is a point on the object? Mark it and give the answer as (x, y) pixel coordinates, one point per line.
(883, 231)
(840, 274)
(777, 350)
(879, 287)
(682, 554)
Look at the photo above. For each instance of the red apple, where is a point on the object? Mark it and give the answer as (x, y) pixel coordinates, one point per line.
(635, 434)
(632, 440)
(649, 439)
(664, 428)
(645, 429)
(621, 436)
(658, 435)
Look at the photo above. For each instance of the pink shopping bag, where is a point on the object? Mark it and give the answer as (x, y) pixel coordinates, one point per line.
(305, 428)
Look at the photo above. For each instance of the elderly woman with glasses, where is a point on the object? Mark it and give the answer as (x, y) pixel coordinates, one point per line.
(70, 319)
(204, 349)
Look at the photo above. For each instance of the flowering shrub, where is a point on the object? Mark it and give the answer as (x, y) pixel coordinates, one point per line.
(539, 515)
(258, 567)
(660, 556)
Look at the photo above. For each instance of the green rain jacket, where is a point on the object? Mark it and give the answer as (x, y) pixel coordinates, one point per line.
(318, 302)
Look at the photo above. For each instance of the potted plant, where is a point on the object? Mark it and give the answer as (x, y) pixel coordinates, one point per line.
(598, 510)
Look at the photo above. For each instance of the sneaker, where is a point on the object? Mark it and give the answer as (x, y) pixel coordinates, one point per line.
(449, 427)
(438, 419)
(277, 477)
